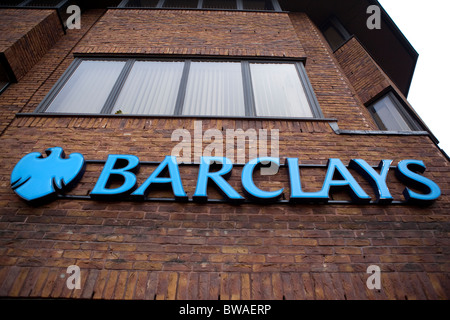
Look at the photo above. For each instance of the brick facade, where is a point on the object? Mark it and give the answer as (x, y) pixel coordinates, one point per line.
(26, 36)
(165, 250)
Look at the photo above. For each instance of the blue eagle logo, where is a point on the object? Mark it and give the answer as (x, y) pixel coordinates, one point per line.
(37, 179)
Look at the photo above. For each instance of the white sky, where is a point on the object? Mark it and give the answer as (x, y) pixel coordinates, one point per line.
(426, 25)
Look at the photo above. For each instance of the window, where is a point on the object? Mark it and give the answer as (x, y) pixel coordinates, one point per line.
(187, 87)
(335, 33)
(390, 115)
(254, 5)
(34, 3)
(276, 85)
(219, 4)
(88, 88)
(4, 79)
(43, 3)
(11, 3)
(214, 88)
(151, 88)
(141, 3)
(257, 5)
(180, 4)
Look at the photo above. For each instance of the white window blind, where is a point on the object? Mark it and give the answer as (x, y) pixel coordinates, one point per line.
(214, 88)
(187, 87)
(150, 88)
(278, 91)
(88, 88)
(388, 116)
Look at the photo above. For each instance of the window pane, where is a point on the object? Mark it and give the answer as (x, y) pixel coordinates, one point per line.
(142, 3)
(258, 5)
(388, 115)
(151, 88)
(180, 4)
(2, 85)
(88, 88)
(10, 2)
(43, 3)
(333, 37)
(4, 79)
(219, 4)
(215, 88)
(278, 91)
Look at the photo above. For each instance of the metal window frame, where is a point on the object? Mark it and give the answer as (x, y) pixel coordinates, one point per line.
(4, 87)
(117, 88)
(182, 89)
(407, 117)
(249, 99)
(5, 68)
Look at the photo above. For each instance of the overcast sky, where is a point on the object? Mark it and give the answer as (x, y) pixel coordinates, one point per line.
(426, 25)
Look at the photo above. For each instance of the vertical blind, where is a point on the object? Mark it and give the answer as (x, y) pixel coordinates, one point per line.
(278, 91)
(150, 88)
(194, 88)
(388, 116)
(214, 88)
(88, 88)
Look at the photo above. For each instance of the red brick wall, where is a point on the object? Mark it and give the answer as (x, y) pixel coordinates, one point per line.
(365, 75)
(333, 90)
(193, 32)
(26, 35)
(33, 87)
(174, 250)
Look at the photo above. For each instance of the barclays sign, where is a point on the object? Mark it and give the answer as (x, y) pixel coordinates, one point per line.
(37, 179)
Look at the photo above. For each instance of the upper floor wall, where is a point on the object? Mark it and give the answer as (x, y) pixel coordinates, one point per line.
(191, 32)
(231, 34)
(26, 35)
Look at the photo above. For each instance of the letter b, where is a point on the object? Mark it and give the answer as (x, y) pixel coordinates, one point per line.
(226, 309)
(117, 166)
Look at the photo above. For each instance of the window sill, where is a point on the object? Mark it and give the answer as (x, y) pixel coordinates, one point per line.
(196, 9)
(336, 129)
(97, 115)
